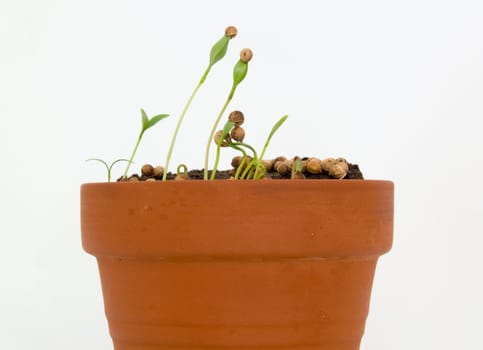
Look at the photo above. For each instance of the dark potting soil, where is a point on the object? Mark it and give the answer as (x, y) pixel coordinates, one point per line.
(353, 174)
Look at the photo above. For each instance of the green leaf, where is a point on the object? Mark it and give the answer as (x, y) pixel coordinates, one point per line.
(277, 126)
(98, 160)
(227, 127)
(272, 132)
(144, 119)
(239, 72)
(117, 161)
(218, 50)
(154, 120)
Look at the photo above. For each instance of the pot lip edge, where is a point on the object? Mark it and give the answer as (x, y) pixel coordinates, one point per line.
(239, 183)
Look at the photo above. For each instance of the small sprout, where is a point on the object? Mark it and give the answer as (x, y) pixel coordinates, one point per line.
(217, 52)
(296, 169)
(239, 73)
(327, 163)
(237, 133)
(222, 139)
(158, 171)
(145, 125)
(231, 32)
(226, 140)
(314, 166)
(182, 173)
(108, 167)
(147, 170)
(236, 117)
(246, 55)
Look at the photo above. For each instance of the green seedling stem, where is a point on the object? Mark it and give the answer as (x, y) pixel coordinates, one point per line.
(146, 123)
(277, 125)
(182, 169)
(108, 167)
(239, 73)
(242, 163)
(296, 167)
(217, 52)
(226, 129)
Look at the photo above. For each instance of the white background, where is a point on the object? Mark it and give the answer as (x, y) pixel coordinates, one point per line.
(395, 86)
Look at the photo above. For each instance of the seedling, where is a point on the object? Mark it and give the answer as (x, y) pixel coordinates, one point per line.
(277, 125)
(146, 123)
(217, 52)
(297, 169)
(108, 167)
(182, 172)
(256, 168)
(239, 73)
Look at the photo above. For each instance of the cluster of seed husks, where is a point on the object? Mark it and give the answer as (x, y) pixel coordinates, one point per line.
(150, 173)
(336, 168)
(237, 133)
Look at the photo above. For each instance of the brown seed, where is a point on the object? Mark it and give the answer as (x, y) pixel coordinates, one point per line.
(236, 117)
(182, 177)
(133, 178)
(304, 165)
(327, 163)
(284, 168)
(238, 133)
(147, 170)
(337, 171)
(231, 31)
(235, 162)
(278, 159)
(150, 179)
(246, 55)
(268, 164)
(217, 137)
(314, 166)
(158, 171)
(342, 162)
(298, 176)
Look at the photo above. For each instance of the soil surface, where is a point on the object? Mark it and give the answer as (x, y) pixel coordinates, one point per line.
(353, 174)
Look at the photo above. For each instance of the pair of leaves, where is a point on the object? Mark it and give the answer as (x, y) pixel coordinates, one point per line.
(150, 122)
(108, 167)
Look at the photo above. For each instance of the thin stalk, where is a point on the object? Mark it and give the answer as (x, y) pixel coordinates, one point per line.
(180, 120)
(217, 159)
(133, 153)
(254, 160)
(244, 158)
(213, 130)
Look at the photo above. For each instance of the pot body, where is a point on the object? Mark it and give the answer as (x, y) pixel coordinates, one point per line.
(237, 265)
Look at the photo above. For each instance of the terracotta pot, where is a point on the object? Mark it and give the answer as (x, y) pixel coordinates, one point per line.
(237, 265)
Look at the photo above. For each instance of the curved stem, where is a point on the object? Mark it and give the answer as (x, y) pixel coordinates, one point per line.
(133, 153)
(247, 146)
(254, 160)
(240, 166)
(248, 169)
(213, 130)
(180, 120)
